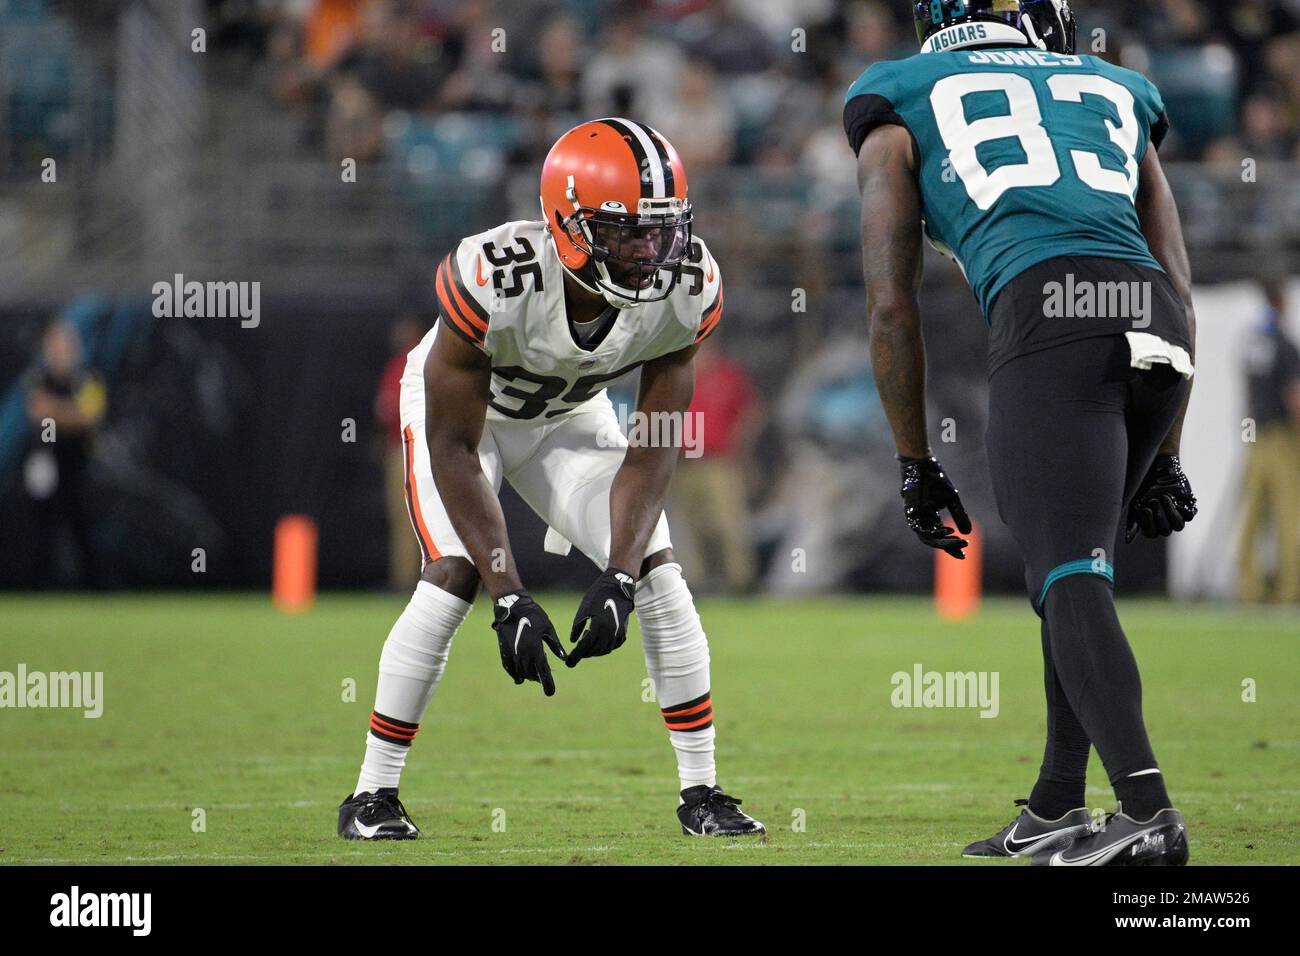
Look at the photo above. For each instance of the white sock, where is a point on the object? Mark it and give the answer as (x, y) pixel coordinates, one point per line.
(410, 668)
(677, 660)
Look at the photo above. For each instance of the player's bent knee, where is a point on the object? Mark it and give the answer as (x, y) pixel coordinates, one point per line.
(457, 576)
(662, 585)
(670, 624)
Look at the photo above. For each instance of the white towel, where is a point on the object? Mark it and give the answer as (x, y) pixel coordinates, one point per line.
(1147, 350)
(556, 543)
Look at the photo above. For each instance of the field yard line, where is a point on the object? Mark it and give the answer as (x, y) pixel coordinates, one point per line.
(82, 861)
(418, 802)
(485, 851)
(737, 847)
(436, 803)
(873, 846)
(321, 858)
(192, 805)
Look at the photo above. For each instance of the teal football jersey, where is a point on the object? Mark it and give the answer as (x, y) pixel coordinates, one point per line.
(1022, 155)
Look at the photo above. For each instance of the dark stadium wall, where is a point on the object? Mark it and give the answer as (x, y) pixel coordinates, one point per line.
(215, 431)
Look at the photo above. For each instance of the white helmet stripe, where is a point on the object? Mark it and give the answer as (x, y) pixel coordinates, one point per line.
(649, 155)
(661, 152)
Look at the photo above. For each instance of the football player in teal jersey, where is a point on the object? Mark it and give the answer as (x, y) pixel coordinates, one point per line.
(1036, 169)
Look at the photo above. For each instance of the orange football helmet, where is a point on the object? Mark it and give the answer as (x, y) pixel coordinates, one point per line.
(614, 200)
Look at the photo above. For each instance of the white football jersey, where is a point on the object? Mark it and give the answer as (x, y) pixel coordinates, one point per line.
(503, 290)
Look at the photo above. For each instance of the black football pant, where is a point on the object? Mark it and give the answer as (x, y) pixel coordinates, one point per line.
(1072, 431)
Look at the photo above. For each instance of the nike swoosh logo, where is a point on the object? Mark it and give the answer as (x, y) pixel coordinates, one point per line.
(1012, 845)
(519, 631)
(366, 831)
(709, 277)
(613, 608)
(1095, 858)
(1016, 846)
(1099, 857)
(478, 271)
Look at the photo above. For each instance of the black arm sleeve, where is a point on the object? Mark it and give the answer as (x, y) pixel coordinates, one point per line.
(1159, 129)
(864, 113)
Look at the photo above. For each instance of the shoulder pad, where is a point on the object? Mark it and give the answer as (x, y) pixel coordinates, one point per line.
(464, 303)
(710, 287)
(487, 274)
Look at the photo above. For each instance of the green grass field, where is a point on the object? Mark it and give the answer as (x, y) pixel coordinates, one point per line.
(221, 703)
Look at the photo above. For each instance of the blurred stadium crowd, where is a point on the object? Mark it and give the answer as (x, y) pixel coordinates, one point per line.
(751, 82)
(227, 166)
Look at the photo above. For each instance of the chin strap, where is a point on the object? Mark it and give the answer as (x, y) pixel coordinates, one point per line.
(596, 288)
(590, 286)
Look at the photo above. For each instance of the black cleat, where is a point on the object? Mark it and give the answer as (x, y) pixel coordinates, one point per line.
(707, 811)
(1029, 833)
(1123, 841)
(375, 816)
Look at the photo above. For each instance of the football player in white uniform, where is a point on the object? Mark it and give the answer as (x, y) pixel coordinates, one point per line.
(535, 318)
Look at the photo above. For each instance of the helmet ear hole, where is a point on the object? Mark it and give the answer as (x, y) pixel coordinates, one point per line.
(564, 226)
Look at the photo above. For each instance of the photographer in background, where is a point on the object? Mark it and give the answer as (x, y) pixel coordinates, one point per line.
(710, 493)
(65, 403)
(1272, 488)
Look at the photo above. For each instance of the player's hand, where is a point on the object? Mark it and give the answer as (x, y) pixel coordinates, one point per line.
(604, 612)
(926, 492)
(522, 629)
(1164, 502)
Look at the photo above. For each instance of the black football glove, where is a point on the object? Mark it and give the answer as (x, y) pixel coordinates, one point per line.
(522, 628)
(604, 612)
(1164, 502)
(927, 491)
